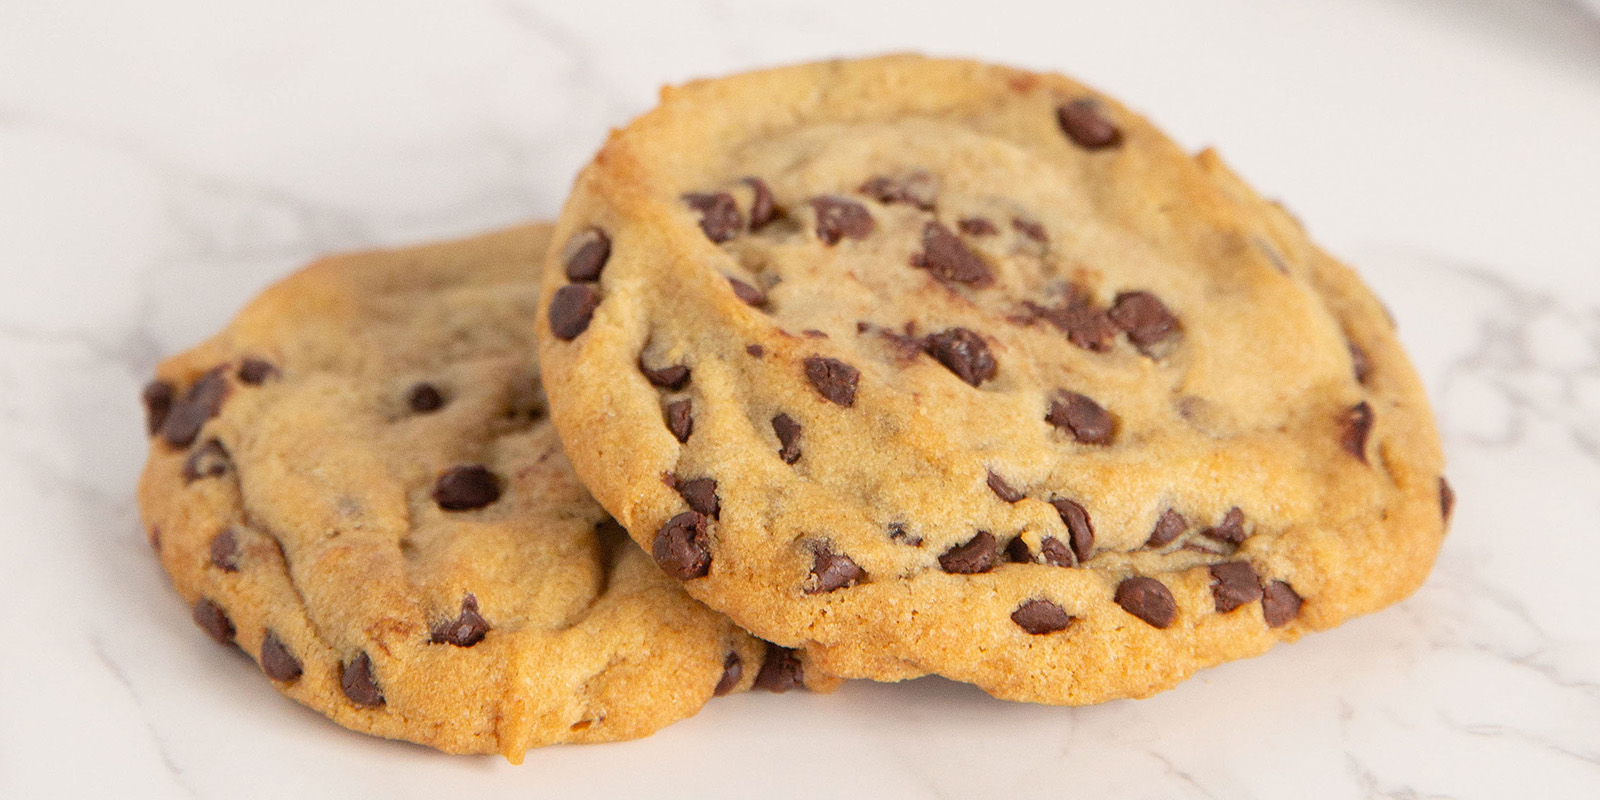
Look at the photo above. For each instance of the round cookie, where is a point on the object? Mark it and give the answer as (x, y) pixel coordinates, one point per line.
(977, 373)
(356, 483)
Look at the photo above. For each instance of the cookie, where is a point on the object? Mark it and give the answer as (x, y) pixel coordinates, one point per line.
(356, 484)
(974, 372)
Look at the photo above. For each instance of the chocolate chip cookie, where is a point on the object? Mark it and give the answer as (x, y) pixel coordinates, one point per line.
(934, 366)
(356, 484)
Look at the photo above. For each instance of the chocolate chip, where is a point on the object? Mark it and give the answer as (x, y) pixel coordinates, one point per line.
(214, 621)
(1083, 123)
(701, 495)
(1230, 529)
(157, 399)
(1002, 489)
(974, 556)
(682, 548)
(1083, 417)
(788, 432)
(182, 423)
(944, 255)
(763, 208)
(1039, 617)
(1280, 603)
(225, 551)
(466, 487)
(917, 188)
(571, 309)
(1233, 584)
(1148, 599)
(976, 226)
(747, 293)
(833, 379)
(467, 629)
(1359, 363)
(813, 333)
(831, 571)
(1017, 551)
(671, 377)
(1357, 426)
(898, 533)
(1032, 230)
(838, 218)
(1055, 553)
(755, 350)
(424, 398)
(1079, 528)
(1170, 526)
(680, 419)
(1145, 318)
(780, 670)
(719, 215)
(358, 682)
(276, 661)
(962, 352)
(209, 460)
(1085, 325)
(732, 671)
(254, 371)
(1447, 498)
(586, 254)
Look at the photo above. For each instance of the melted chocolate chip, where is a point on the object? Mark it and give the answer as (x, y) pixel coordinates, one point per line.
(976, 226)
(586, 255)
(1039, 617)
(157, 399)
(763, 208)
(917, 188)
(944, 255)
(1148, 599)
(974, 556)
(780, 670)
(755, 350)
(838, 218)
(225, 551)
(467, 629)
(719, 215)
(1032, 230)
(1085, 325)
(1145, 318)
(466, 487)
(833, 379)
(1017, 551)
(1447, 498)
(1359, 363)
(671, 377)
(358, 682)
(962, 352)
(424, 398)
(701, 495)
(1230, 529)
(1233, 584)
(214, 621)
(254, 371)
(1357, 424)
(1079, 529)
(202, 402)
(209, 460)
(1055, 553)
(682, 548)
(571, 310)
(1002, 489)
(749, 295)
(680, 419)
(1170, 526)
(732, 671)
(831, 571)
(1083, 123)
(1280, 603)
(788, 432)
(276, 661)
(1083, 417)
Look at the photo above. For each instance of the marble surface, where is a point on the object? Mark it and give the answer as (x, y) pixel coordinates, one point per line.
(161, 162)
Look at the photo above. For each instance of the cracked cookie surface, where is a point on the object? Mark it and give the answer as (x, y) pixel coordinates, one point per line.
(357, 484)
(977, 373)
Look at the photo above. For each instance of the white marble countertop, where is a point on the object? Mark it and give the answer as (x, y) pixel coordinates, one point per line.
(160, 162)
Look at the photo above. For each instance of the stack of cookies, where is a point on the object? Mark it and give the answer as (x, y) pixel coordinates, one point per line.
(860, 369)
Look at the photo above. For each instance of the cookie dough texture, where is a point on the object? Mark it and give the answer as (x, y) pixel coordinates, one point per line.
(357, 484)
(986, 377)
